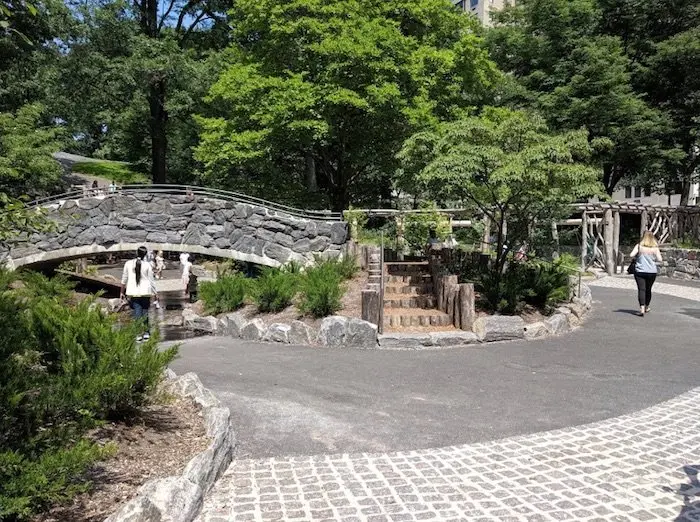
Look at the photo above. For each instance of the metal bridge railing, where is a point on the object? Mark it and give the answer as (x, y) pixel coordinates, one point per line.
(188, 190)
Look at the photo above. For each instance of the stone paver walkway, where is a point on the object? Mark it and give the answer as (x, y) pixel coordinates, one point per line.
(627, 468)
(676, 289)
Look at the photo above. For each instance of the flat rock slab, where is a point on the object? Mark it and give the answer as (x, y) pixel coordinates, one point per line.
(499, 328)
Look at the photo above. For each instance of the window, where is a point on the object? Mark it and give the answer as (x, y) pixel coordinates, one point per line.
(628, 192)
(461, 5)
(647, 192)
(637, 192)
(473, 3)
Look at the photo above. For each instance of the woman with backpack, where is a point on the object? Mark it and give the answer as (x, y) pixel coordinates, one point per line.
(138, 286)
(645, 255)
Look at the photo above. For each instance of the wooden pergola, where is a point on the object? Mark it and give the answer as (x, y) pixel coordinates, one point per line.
(600, 222)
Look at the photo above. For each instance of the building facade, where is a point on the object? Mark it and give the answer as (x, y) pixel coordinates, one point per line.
(647, 197)
(481, 8)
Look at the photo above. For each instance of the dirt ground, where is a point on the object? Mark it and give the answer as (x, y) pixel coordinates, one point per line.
(158, 443)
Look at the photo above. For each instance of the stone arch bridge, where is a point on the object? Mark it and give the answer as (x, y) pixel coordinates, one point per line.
(181, 219)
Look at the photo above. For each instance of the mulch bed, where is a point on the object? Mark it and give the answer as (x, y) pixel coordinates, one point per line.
(157, 444)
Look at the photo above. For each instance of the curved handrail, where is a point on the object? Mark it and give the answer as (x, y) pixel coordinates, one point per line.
(189, 190)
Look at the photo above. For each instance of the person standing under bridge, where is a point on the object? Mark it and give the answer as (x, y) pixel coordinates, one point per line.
(138, 286)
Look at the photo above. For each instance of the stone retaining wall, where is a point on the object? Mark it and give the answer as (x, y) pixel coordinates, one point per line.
(344, 332)
(180, 499)
(680, 263)
(198, 224)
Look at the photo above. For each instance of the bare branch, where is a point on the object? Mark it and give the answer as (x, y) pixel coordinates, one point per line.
(166, 15)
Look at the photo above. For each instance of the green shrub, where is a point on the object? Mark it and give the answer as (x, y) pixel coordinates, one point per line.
(537, 283)
(293, 267)
(63, 369)
(321, 290)
(345, 267)
(226, 294)
(274, 290)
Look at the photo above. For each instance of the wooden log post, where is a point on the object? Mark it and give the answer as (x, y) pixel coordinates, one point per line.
(608, 240)
(584, 239)
(644, 223)
(467, 307)
(370, 306)
(449, 281)
(616, 239)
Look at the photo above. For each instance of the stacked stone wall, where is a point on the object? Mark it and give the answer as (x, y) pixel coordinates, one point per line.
(680, 263)
(181, 223)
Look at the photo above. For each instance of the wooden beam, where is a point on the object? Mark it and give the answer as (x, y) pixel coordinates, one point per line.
(608, 241)
(616, 239)
(584, 239)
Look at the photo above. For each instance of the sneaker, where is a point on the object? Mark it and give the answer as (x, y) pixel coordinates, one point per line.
(139, 338)
(146, 336)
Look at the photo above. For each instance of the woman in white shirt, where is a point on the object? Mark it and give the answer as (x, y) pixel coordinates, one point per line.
(138, 286)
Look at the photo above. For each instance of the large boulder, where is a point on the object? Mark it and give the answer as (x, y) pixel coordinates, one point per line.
(277, 333)
(253, 330)
(300, 333)
(536, 330)
(233, 323)
(557, 324)
(361, 334)
(332, 331)
(192, 321)
(499, 328)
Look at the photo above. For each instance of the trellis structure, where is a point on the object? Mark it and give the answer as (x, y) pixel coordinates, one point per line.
(600, 229)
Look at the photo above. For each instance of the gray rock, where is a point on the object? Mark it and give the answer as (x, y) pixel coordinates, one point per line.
(274, 225)
(222, 243)
(127, 222)
(333, 330)
(283, 239)
(300, 333)
(277, 252)
(155, 221)
(192, 321)
(404, 341)
(339, 233)
(176, 498)
(277, 333)
(499, 328)
(319, 244)
(557, 324)
(536, 330)
(253, 330)
(302, 246)
(453, 338)
(361, 334)
(202, 216)
(215, 231)
(177, 223)
(139, 509)
(157, 237)
(196, 234)
(134, 236)
(181, 209)
(89, 203)
(86, 237)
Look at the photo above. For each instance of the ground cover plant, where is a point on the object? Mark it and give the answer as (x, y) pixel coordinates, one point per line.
(226, 294)
(64, 369)
(121, 173)
(275, 289)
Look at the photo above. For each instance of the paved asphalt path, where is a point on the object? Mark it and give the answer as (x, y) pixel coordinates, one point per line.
(296, 400)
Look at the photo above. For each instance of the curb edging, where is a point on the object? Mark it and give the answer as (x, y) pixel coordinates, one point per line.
(180, 498)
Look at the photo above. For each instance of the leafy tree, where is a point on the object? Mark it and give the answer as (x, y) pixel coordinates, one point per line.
(577, 77)
(319, 96)
(26, 165)
(508, 166)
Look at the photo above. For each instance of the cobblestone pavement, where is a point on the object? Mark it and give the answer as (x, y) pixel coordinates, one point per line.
(641, 466)
(676, 289)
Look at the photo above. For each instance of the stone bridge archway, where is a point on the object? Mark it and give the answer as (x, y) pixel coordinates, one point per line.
(181, 219)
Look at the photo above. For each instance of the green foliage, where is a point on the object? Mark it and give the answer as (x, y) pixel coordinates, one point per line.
(274, 289)
(417, 228)
(507, 165)
(321, 290)
(64, 367)
(16, 220)
(345, 267)
(333, 88)
(225, 294)
(26, 165)
(121, 173)
(537, 283)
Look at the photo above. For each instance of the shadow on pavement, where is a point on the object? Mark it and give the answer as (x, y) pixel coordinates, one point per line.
(691, 312)
(626, 311)
(690, 511)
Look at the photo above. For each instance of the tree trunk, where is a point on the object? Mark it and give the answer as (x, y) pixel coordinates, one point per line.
(685, 191)
(311, 180)
(159, 139)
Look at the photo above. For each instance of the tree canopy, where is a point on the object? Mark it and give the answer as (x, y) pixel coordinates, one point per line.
(332, 89)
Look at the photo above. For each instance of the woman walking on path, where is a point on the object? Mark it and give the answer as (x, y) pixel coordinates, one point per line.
(138, 286)
(646, 254)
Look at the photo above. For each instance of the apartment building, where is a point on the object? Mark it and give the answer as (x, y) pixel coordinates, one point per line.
(481, 8)
(647, 197)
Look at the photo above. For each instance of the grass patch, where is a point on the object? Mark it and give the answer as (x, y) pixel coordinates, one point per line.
(121, 173)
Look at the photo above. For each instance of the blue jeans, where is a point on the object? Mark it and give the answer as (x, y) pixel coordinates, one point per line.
(140, 307)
